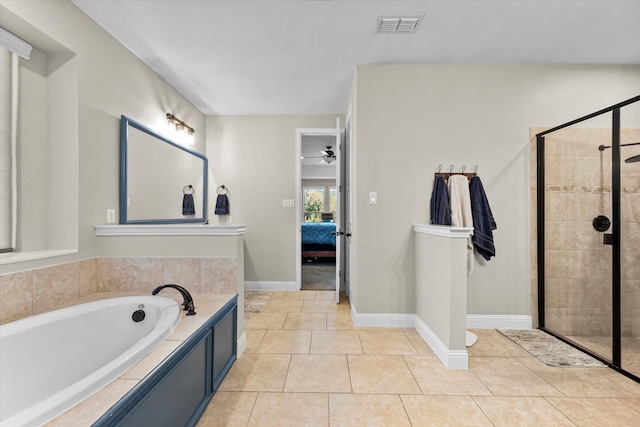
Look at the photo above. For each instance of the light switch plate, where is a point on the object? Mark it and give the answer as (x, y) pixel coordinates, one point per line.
(288, 203)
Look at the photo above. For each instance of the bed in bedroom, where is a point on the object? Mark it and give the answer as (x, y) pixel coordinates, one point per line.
(318, 240)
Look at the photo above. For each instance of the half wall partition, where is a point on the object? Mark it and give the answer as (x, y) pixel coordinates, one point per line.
(588, 234)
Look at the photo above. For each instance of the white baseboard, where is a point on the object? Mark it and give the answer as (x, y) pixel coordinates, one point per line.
(499, 321)
(241, 344)
(270, 286)
(381, 320)
(451, 359)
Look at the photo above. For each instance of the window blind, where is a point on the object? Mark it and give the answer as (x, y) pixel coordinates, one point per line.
(7, 153)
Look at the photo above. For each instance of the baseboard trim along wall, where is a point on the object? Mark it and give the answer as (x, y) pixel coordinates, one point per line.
(382, 320)
(499, 321)
(474, 321)
(242, 344)
(451, 359)
(270, 286)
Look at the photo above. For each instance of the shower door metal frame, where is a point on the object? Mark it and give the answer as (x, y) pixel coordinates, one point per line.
(616, 279)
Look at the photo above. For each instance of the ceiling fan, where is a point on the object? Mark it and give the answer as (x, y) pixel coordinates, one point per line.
(328, 156)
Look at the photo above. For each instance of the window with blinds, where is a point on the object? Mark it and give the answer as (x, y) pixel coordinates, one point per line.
(11, 49)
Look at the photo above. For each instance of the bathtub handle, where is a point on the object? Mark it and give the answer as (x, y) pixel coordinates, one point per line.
(191, 309)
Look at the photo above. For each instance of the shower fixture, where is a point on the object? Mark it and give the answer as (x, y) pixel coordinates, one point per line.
(604, 147)
(632, 159)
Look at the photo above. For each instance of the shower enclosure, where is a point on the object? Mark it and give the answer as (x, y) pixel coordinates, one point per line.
(588, 234)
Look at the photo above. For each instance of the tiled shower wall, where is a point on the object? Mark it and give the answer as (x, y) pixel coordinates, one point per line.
(578, 270)
(36, 291)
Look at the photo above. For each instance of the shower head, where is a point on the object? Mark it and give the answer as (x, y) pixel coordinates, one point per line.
(633, 159)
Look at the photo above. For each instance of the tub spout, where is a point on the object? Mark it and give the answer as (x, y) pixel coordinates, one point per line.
(187, 299)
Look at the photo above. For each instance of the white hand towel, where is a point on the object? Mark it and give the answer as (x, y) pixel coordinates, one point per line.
(461, 214)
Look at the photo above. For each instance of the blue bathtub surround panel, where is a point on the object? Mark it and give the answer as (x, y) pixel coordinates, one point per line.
(483, 222)
(177, 392)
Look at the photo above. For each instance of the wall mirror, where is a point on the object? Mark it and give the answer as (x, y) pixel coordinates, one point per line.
(155, 174)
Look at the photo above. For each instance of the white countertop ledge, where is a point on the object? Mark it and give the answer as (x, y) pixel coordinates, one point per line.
(170, 230)
(444, 230)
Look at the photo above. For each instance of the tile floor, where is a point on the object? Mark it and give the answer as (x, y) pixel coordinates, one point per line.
(306, 365)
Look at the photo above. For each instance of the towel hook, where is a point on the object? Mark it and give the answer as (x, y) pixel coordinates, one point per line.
(223, 188)
(451, 169)
(463, 168)
(187, 188)
(439, 168)
(475, 169)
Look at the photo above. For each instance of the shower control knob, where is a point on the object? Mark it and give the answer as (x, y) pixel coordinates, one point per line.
(601, 223)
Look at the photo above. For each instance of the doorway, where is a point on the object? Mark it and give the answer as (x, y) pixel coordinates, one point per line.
(319, 198)
(318, 204)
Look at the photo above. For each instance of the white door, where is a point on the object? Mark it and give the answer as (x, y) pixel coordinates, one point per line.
(339, 232)
(346, 207)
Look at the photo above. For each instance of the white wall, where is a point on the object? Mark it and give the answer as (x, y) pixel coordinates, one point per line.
(410, 119)
(109, 81)
(255, 157)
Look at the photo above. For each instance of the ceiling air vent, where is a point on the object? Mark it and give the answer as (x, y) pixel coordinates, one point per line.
(398, 24)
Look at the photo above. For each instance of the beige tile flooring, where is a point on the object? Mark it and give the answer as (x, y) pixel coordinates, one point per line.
(306, 365)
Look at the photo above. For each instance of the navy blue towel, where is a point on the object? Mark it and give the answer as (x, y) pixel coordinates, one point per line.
(222, 205)
(483, 222)
(188, 207)
(440, 213)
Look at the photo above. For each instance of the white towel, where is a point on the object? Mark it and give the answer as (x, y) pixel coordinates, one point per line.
(460, 201)
(461, 215)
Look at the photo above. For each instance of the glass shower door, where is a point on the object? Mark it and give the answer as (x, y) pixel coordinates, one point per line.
(578, 235)
(630, 238)
(588, 243)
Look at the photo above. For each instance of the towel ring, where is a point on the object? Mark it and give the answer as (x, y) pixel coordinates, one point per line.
(187, 188)
(223, 188)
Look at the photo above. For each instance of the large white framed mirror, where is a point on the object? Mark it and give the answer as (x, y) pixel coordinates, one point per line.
(155, 175)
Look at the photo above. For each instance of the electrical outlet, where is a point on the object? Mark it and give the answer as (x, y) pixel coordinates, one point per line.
(111, 216)
(373, 198)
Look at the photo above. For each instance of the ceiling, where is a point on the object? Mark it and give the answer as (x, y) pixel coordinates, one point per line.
(299, 57)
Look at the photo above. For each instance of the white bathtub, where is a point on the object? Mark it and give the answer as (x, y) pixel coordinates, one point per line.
(51, 362)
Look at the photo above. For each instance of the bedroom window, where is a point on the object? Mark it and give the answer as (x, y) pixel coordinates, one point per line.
(319, 204)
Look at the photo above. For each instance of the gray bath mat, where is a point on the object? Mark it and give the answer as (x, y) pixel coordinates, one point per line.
(256, 301)
(550, 350)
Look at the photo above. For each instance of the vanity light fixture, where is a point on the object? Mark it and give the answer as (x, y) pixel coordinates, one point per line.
(179, 124)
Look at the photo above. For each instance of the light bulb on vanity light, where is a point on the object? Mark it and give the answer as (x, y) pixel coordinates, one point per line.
(182, 132)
